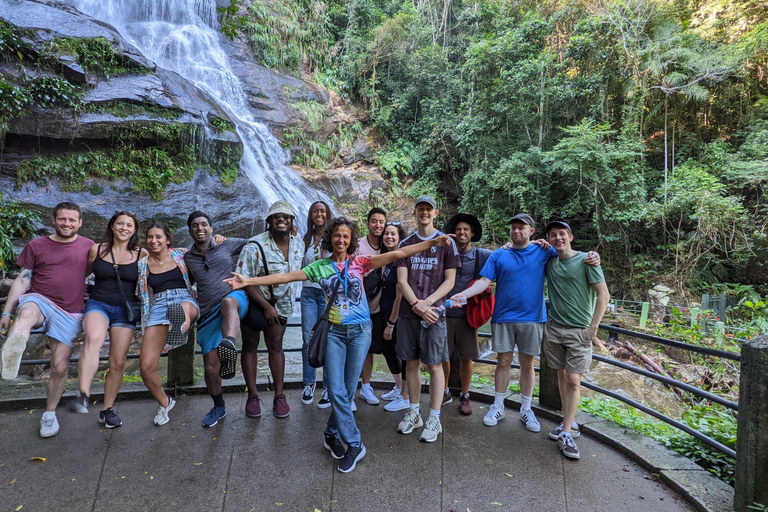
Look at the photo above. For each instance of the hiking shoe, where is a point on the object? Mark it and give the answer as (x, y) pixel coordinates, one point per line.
(494, 414)
(324, 401)
(398, 404)
(161, 417)
(531, 423)
(81, 403)
(432, 429)
(366, 393)
(176, 337)
(109, 418)
(391, 395)
(49, 425)
(253, 406)
(411, 421)
(335, 446)
(354, 454)
(464, 407)
(308, 395)
(12, 351)
(575, 432)
(214, 415)
(280, 406)
(447, 398)
(568, 446)
(227, 353)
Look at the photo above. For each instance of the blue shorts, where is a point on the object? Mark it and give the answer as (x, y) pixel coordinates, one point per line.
(158, 310)
(58, 324)
(209, 328)
(115, 314)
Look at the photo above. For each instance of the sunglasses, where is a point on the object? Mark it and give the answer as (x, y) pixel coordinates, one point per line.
(282, 216)
(393, 223)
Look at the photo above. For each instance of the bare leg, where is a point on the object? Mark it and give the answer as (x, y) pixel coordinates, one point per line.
(502, 372)
(414, 380)
(230, 320)
(249, 357)
(365, 375)
(154, 343)
(212, 365)
(572, 396)
(447, 372)
(95, 325)
(273, 339)
(527, 375)
(465, 371)
(59, 371)
(120, 340)
(190, 312)
(436, 385)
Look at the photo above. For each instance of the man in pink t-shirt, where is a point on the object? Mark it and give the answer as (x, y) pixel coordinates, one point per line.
(49, 291)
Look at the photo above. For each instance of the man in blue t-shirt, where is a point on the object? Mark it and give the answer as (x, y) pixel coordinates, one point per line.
(519, 314)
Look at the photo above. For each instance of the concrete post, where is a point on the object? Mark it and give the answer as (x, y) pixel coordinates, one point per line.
(549, 393)
(181, 362)
(752, 445)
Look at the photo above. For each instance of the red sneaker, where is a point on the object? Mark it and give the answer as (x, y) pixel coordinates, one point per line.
(464, 407)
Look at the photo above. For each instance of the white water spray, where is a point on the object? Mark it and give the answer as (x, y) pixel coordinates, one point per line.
(183, 36)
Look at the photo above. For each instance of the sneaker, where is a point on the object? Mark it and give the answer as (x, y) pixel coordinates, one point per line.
(280, 406)
(568, 446)
(354, 406)
(12, 351)
(335, 446)
(411, 421)
(324, 401)
(392, 395)
(81, 403)
(398, 404)
(447, 398)
(354, 454)
(494, 414)
(161, 417)
(253, 406)
(531, 423)
(49, 425)
(432, 429)
(464, 407)
(109, 418)
(366, 393)
(175, 314)
(575, 432)
(214, 415)
(227, 353)
(308, 395)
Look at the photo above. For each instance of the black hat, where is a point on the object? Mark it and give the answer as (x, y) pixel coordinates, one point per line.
(525, 218)
(558, 224)
(477, 228)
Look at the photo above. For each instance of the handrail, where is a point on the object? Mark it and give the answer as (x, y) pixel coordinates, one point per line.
(734, 356)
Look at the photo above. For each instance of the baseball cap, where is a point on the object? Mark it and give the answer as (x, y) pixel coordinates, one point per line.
(523, 217)
(427, 199)
(558, 224)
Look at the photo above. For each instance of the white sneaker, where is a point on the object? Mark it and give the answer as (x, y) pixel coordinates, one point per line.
(432, 429)
(366, 393)
(354, 406)
(324, 401)
(495, 413)
(398, 404)
(161, 418)
(411, 421)
(531, 423)
(392, 395)
(49, 425)
(13, 349)
(308, 395)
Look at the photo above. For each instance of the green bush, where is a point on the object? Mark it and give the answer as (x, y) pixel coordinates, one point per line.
(16, 221)
(94, 54)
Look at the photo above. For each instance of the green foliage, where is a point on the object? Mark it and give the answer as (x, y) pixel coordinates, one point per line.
(515, 388)
(312, 111)
(124, 109)
(95, 54)
(52, 91)
(396, 163)
(12, 102)
(319, 155)
(16, 221)
(221, 125)
(230, 21)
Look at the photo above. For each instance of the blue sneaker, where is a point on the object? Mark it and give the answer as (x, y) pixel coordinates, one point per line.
(214, 415)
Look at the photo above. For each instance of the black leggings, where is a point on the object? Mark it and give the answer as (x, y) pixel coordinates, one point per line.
(385, 347)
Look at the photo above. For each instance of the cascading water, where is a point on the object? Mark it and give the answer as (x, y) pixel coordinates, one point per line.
(182, 35)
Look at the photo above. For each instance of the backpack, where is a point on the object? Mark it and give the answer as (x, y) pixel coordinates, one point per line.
(480, 307)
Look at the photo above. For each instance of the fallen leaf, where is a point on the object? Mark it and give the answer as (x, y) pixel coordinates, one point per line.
(510, 476)
(198, 463)
(122, 477)
(279, 504)
(39, 459)
(151, 477)
(146, 472)
(19, 508)
(12, 481)
(194, 437)
(214, 438)
(316, 510)
(73, 479)
(495, 503)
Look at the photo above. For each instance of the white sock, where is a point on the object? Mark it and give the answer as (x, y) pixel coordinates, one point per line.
(574, 425)
(366, 385)
(49, 414)
(499, 400)
(416, 408)
(435, 413)
(526, 406)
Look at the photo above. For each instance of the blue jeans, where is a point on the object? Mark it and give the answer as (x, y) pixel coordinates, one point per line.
(347, 347)
(312, 306)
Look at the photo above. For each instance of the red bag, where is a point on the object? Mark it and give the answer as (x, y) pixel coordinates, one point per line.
(480, 308)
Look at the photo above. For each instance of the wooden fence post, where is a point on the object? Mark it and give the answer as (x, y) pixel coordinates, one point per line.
(181, 362)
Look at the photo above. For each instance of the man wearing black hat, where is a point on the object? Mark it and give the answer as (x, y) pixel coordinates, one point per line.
(462, 338)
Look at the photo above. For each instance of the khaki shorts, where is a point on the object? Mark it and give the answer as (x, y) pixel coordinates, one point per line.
(567, 348)
(462, 337)
(526, 335)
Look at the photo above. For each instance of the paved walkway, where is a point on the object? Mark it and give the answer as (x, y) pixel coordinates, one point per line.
(271, 464)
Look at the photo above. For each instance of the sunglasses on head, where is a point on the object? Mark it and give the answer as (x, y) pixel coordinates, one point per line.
(393, 223)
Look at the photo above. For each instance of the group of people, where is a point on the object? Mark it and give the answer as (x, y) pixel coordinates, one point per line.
(387, 293)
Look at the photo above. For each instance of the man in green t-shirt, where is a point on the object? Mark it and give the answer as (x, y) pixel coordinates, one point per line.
(571, 326)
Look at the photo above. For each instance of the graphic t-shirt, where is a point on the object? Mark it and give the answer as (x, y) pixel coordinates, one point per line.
(58, 270)
(351, 305)
(571, 296)
(519, 276)
(426, 270)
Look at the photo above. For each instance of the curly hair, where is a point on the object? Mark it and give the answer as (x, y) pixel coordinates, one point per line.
(330, 227)
(311, 223)
(109, 235)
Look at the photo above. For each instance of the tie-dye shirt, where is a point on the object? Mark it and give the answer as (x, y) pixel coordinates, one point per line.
(323, 273)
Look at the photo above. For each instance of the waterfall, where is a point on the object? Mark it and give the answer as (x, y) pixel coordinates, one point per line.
(183, 36)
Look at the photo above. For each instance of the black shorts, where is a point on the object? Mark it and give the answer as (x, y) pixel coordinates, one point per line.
(377, 334)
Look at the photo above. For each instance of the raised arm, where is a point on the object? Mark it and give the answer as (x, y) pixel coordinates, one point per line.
(238, 281)
(603, 296)
(477, 288)
(382, 260)
(20, 285)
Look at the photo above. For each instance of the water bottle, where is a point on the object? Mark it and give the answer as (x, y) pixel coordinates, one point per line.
(456, 303)
(439, 312)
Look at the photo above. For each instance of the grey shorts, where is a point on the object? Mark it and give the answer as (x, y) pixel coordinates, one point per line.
(567, 348)
(58, 324)
(526, 335)
(462, 338)
(415, 342)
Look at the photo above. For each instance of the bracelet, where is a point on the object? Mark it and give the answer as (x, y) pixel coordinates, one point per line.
(5, 314)
(390, 324)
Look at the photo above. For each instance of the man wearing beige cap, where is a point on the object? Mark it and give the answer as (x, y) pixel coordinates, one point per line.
(283, 252)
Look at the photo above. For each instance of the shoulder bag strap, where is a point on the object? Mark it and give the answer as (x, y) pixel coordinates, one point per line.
(335, 293)
(266, 270)
(117, 274)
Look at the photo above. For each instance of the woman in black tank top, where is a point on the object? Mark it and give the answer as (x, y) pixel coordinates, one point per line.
(106, 310)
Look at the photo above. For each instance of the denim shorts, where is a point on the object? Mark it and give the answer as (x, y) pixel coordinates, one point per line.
(115, 314)
(58, 324)
(158, 309)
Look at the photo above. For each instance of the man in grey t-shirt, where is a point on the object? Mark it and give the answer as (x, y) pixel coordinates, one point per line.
(221, 308)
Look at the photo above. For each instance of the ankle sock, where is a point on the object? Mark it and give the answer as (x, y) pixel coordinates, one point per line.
(498, 401)
(435, 413)
(218, 400)
(526, 405)
(416, 408)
